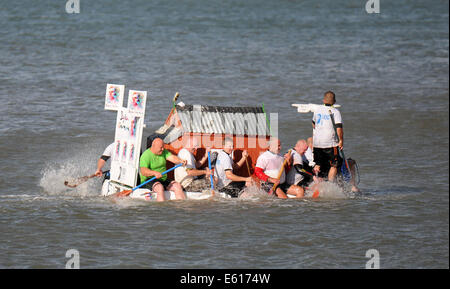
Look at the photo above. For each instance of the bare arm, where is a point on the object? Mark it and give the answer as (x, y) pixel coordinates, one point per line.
(340, 133)
(100, 164)
(242, 160)
(195, 172)
(176, 160)
(201, 162)
(235, 178)
(146, 172)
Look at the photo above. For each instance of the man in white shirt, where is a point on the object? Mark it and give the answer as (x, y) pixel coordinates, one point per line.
(227, 181)
(268, 166)
(301, 172)
(191, 178)
(326, 143)
(309, 152)
(107, 154)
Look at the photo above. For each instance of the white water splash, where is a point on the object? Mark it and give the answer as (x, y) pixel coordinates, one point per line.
(253, 193)
(82, 163)
(328, 190)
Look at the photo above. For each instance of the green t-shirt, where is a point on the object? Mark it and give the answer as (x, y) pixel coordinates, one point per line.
(154, 163)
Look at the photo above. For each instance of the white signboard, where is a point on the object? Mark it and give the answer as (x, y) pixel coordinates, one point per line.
(114, 96)
(128, 137)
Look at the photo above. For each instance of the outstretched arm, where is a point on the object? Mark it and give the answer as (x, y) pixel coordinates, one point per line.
(235, 178)
(176, 160)
(100, 164)
(195, 172)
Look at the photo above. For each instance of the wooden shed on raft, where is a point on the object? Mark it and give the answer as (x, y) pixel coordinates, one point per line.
(211, 125)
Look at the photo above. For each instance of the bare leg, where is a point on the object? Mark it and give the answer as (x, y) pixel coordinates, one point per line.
(332, 174)
(280, 194)
(159, 189)
(351, 164)
(178, 190)
(296, 191)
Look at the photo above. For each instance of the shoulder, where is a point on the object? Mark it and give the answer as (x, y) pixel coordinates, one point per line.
(109, 149)
(337, 115)
(222, 154)
(262, 156)
(183, 152)
(146, 153)
(110, 146)
(186, 155)
(223, 158)
(145, 157)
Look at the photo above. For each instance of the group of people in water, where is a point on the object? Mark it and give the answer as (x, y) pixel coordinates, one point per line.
(306, 165)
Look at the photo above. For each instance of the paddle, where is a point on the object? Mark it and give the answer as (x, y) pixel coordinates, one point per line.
(74, 183)
(341, 151)
(279, 174)
(210, 176)
(248, 167)
(127, 192)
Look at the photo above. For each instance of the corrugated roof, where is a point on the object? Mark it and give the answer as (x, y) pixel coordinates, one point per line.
(223, 120)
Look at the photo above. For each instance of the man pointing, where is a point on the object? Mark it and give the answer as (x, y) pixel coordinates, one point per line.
(326, 153)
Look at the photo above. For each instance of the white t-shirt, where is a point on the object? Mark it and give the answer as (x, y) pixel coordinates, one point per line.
(224, 162)
(181, 175)
(293, 177)
(271, 164)
(110, 152)
(309, 156)
(323, 134)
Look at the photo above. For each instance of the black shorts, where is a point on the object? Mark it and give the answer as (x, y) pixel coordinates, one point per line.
(266, 186)
(327, 158)
(150, 185)
(233, 189)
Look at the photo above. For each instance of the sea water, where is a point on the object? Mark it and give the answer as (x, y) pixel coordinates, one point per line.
(389, 71)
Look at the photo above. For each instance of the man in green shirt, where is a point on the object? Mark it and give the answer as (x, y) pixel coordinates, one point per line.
(153, 163)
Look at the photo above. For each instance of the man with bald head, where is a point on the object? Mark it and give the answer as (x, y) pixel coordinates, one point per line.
(325, 141)
(301, 172)
(153, 164)
(268, 166)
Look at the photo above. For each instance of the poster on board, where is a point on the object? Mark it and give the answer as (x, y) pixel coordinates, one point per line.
(136, 102)
(114, 96)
